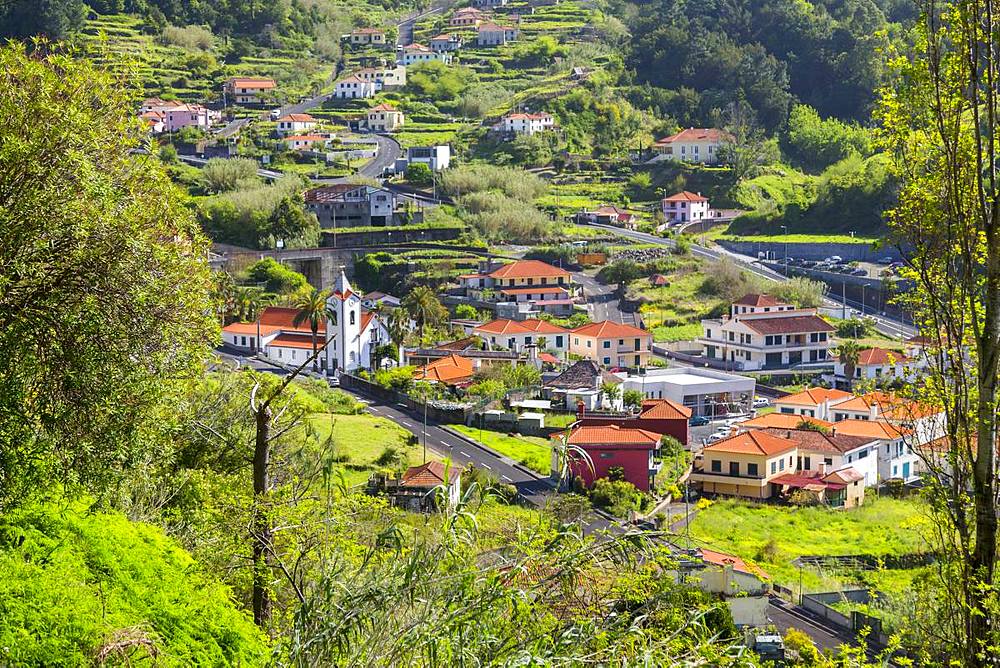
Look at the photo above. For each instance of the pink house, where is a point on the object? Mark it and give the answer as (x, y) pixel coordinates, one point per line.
(613, 446)
(163, 116)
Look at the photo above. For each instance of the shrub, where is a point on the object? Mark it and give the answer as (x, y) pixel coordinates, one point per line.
(225, 174)
(276, 277)
(512, 182)
(856, 328)
(419, 174)
(466, 312)
(188, 37)
(617, 496)
(391, 458)
(400, 378)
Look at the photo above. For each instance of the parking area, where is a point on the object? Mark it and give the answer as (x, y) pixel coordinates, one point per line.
(835, 264)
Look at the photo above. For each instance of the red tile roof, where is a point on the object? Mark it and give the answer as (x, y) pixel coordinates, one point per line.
(612, 435)
(295, 341)
(297, 118)
(367, 31)
(685, 196)
(723, 559)
(814, 396)
(696, 134)
(754, 442)
(758, 300)
(430, 474)
(795, 324)
(548, 358)
(782, 421)
(807, 480)
(543, 327)
(817, 441)
(609, 329)
(871, 428)
(529, 269)
(540, 290)
(889, 406)
(880, 357)
(261, 84)
(448, 370)
(663, 409)
(383, 107)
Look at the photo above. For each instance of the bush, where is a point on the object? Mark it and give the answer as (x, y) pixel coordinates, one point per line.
(466, 312)
(391, 458)
(512, 182)
(188, 37)
(225, 174)
(618, 497)
(419, 174)
(400, 378)
(276, 277)
(856, 328)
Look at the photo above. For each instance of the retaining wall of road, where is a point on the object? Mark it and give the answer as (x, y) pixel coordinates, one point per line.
(347, 239)
(810, 251)
(819, 604)
(435, 413)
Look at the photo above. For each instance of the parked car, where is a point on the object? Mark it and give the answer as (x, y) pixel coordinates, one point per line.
(835, 259)
(698, 420)
(860, 271)
(761, 402)
(275, 114)
(717, 436)
(885, 260)
(809, 263)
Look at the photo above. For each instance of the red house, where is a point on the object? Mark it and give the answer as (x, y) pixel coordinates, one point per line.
(614, 446)
(660, 416)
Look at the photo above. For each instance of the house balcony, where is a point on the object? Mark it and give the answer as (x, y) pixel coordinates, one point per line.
(726, 478)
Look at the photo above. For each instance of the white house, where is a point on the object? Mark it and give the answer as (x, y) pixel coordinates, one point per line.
(305, 142)
(772, 335)
(296, 123)
(685, 207)
(524, 124)
(436, 157)
(385, 118)
(517, 335)
(354, 87)
(248, 90)
(877, 364)
(692, 145)
(353, 337)
(418, 53)
(491, 34)
(445, 43)
(384, 77)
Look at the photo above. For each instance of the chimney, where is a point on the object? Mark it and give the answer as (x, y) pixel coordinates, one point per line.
(833, 431)
(822, 469)
(580, 408)
(788, 434)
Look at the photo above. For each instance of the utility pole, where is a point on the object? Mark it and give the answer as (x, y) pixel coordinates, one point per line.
(784, 231)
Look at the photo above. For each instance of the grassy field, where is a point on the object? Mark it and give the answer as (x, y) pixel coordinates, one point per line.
(533, 452)
(360, 440)
(674, 312)
(773, 536)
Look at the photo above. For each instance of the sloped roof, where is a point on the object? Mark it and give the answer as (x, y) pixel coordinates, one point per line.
(723, 559)
(870, 428)
(814, 396)
(782, 421)
(696, 134)
(248, 82)
(448, 370)
(685, 196)
(890, 406)
(543, 326)
(430, 474)
(502, 326)
(528, 269)
(663, 409)
(880, 357)
(819, 442)
(295, 341)
(383, 107)
(753, 299)
(297, 118)
(795, 324)
(583, 373)
(608, 328)
(754, 442)
(282, 317)
(612, 435)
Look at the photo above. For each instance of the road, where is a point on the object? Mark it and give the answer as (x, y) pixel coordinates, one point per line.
(232, 128)
(603, 301)
(404, 29)
(884, 325)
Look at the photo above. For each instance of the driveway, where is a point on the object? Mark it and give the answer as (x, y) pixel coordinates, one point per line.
(603, 301)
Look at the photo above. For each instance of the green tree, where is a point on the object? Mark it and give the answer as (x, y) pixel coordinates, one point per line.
(54, 19)
(423, 306)
(313, 308)
(611, 391)
(275, 276)
(292, 224)
(398, 324)
(466, 312)
(419, 174)
(847, 353)
(104, 288)
(633, 399)
(942, 123)
(224, 174)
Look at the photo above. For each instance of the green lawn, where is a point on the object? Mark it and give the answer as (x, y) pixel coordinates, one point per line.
(361, 439)
(773, 536)
(533, 452)
(677, 333)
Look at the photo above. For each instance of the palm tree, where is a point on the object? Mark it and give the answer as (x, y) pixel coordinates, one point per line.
(848, 352)
(247, 303)
(423, 306)
(612, 391)
(398, 325)
(314, 310)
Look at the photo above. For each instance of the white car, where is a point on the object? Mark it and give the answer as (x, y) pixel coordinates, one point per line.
(761, 402)
(275, 114)
(717, 436)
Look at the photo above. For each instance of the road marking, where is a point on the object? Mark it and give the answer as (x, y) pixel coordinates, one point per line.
(487, 466)
(465, 454)
(507, 478)
(373, 410)
(406, 423)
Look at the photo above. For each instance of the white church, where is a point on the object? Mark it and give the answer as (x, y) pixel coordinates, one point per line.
(352, 337)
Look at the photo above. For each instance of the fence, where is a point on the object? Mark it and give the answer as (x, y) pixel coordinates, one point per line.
(820, 604)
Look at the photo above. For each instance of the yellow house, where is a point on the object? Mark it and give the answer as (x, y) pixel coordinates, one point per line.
(744, 465)
(612, 344)
(384, 118)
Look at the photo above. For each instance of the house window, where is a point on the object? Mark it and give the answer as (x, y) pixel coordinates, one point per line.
(607, 361)
(607, 455)
(607, 344)
(774, 468)
(716, 466)
(788, 411)
(708, 333)
(588, 343)
(752, 469)
(559, 341)
(808, 463)
(244, 339)
(352, 317)
(734, 468)
(781, 464)
(863, 454)
(576, 340)
(828, 461)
